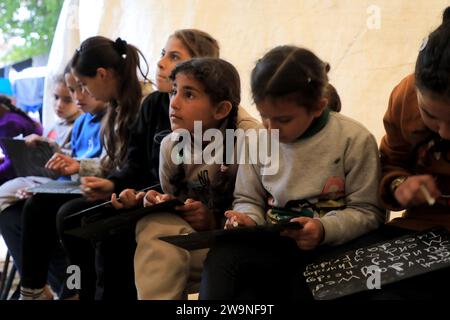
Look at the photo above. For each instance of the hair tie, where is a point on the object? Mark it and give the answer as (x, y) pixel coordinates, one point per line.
(121, 47)
(424, 44)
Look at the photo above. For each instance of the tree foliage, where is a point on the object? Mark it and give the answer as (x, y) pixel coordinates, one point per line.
(36, 29)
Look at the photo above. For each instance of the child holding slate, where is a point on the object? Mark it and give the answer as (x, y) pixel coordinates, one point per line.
(105, 70)
(39, 228)
(140, 169)
(415, 155)
(327, 181)
(13, 192)
(58, 136)
(205, 90)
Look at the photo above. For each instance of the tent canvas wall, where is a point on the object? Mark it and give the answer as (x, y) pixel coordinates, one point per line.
(370, 45)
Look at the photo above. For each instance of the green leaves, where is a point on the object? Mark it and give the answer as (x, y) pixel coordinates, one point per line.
(28, 27)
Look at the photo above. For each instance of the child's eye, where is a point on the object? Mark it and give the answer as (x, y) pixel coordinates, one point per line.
(163, 52)
(189, 95)
(56, 97)
(284, 120)
(175, 57)
(173, 92)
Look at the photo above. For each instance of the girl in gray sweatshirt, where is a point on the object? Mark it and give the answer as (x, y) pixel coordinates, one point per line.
(327, 179)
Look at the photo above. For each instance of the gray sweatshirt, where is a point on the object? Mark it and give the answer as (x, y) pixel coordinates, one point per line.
(333, 174)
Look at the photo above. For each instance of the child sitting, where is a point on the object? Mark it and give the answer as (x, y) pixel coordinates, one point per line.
(327, 181)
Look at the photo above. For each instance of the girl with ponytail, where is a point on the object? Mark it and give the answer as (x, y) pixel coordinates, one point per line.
(107, 70)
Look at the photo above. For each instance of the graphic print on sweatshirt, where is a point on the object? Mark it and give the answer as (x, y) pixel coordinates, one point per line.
(331, 198)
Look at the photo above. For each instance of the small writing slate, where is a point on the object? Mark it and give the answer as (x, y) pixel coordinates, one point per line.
(101, 225)
(205, 239)
(393, 260)
(29, 161)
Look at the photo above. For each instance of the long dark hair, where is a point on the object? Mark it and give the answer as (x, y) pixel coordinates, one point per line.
(7, 103)
(221, 82)
(123, 58)
(432, 72)
(289, 71)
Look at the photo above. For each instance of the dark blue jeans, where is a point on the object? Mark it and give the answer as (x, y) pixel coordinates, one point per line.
(11, 230)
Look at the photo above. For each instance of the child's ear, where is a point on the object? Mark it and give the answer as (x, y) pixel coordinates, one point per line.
(222, 110)
(102, 73)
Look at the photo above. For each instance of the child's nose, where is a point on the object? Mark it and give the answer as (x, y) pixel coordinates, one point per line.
(161, 63)
(174, 101)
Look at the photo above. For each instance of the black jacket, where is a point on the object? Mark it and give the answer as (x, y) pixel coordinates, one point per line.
(141, 168)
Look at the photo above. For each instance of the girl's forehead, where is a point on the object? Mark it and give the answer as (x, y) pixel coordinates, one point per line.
(183, 79)
(60, 86)
(175, 44)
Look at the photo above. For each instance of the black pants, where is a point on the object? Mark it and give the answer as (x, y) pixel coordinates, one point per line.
(113, 268)
(80, 252)
(11, 230)
(39, 237)
(267, 266)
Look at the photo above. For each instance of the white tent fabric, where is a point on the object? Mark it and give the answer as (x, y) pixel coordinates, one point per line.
(370, 45)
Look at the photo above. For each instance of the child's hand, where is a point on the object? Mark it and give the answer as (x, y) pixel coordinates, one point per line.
(23, 194)
(409, 193)
(238, 219)
(62, 164)
(154, 197)
(197, 215)
(95, 188)
(310, 236)
(129, 198)
(31, 139)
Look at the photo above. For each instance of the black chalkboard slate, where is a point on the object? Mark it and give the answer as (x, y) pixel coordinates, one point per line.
(393, 260)
(29, 161)
(101, 225)
(205, 239)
